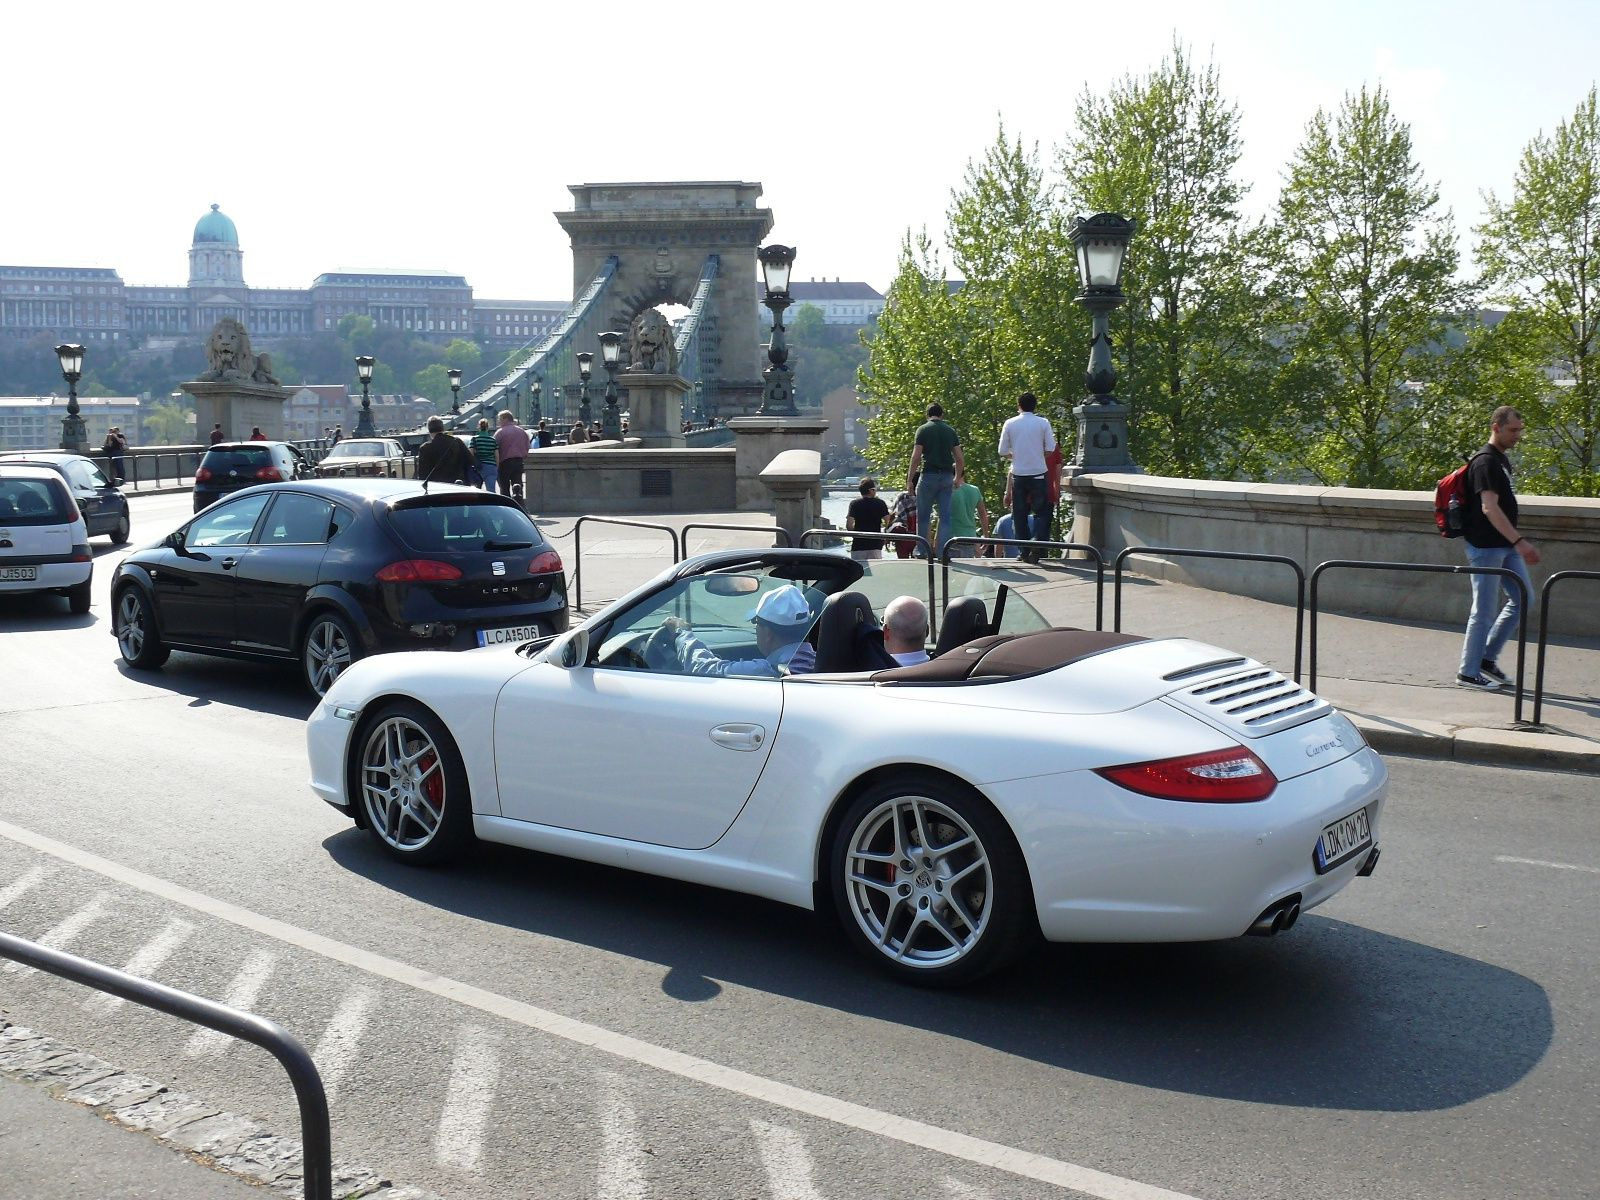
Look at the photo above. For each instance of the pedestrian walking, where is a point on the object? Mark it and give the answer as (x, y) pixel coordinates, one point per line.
(1489, 529)
(936, 452)
(1027, 440)
(216, 434)
(511, 443)
(338, 435)
(256, 435)
(443, 458)
(866, 514)
(969, 516)
(486, 450)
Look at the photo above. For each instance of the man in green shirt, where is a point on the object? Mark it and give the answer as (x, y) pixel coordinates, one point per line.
(969, 517)
(937, 453)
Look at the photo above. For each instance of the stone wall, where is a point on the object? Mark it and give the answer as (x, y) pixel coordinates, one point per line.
(610, 478)
(1312, 525)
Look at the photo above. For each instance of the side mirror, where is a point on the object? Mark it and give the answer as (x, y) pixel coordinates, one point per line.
(572, 650)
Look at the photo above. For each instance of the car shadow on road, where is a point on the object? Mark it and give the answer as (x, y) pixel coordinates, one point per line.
(36, 612)
(258, 686)
(1331, 1015)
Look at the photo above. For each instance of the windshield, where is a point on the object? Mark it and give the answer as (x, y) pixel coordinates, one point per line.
(359, 450)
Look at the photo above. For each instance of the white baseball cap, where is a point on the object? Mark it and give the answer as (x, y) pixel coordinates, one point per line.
(785, 607)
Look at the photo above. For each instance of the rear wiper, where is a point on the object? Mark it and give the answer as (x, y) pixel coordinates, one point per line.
(494, 545)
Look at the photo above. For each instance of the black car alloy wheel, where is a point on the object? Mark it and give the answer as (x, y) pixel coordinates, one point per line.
(136, 630)
(328, 648)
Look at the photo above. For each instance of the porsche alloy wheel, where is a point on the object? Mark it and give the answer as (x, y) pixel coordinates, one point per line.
(930, 882)
(412, 785)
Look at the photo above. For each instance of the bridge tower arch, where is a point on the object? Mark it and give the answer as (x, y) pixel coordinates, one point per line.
(668, 242)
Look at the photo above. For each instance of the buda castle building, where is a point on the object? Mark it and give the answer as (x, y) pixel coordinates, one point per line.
(93, 306)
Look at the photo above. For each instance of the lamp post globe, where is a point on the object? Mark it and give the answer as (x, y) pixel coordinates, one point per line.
(364, 365)
(777, 393)
(1101, 242)
(585, 366)
(610, 358)
(454, 375)
(73, 435)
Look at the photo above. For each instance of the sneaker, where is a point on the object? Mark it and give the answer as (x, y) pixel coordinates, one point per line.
(1491, 670)
(1477, 681)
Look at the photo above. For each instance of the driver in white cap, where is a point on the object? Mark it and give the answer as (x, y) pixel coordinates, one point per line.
(782, 617)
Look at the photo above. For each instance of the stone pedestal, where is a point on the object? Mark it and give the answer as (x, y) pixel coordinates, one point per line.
(238, 407)
(655, 408)
(759, 440)
(793, 480)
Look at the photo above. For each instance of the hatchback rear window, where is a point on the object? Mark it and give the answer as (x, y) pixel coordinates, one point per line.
(35, 502)
(247, 458)
(435, 526)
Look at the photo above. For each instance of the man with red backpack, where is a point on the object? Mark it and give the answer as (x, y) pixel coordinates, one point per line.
(1490, 530)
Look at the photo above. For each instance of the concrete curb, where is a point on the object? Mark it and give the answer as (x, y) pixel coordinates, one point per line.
(1508, 747)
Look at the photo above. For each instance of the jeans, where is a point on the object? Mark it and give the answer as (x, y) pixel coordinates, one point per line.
(510, 470)
(933, 491)
(1484, 643)
(490, 472)
(1030, 496)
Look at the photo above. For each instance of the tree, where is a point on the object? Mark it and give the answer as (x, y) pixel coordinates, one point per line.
(1366, 288)
(1164, 149)
(1540, 253)
(168, 424)
(433, 383)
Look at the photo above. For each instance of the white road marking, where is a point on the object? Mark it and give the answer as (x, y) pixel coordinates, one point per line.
(336, 1051)
(17, 887)
(787, 1161)
(622, 1163)
(63, 934)
(1022, 1163)
(145, 962)
(1539, 862)
(964, 1191)
(242, 993)
(470, 1096)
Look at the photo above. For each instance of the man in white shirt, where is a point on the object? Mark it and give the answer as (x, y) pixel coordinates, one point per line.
(1025, 439)
(905, 630)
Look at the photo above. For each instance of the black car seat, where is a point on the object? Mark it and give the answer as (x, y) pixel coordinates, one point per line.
(849, 637)
(964, 619)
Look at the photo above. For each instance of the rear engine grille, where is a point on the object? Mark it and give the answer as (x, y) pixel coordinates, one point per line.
(492, 593)
(1255, 702)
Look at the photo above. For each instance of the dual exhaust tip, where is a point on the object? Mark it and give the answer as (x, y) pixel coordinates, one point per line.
(1279, 917)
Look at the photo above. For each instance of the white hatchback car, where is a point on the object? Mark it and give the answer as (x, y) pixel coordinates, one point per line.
(44, 543)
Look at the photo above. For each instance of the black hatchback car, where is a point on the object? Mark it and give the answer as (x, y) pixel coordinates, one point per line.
(104, 507)
(324, 572)
(230, 466)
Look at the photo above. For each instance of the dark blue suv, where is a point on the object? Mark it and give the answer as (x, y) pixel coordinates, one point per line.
(104, 508)
(229, 466)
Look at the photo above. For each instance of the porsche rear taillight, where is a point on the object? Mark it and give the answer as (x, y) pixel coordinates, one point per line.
(1231, 776)
(545, 563)
(419, 570)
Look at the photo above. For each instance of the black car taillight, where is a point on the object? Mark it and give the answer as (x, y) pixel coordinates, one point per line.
(419, 570)
(202, 475)
(545, 563)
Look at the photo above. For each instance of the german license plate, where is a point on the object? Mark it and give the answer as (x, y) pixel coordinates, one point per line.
(510, 635)
(18, 574)
(1342, 840)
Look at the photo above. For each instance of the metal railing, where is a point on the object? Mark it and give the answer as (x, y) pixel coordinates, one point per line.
(1544, 628)
(684, 532)
(1434, 569)
(881, 538)
(1084, 547)
(577, 547)
(315, 1131)
(1239, 555)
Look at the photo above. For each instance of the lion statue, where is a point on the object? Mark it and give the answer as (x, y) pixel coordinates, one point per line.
(232, 361)
(651, 344)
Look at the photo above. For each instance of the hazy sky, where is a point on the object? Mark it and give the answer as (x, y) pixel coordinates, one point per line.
(345, 134)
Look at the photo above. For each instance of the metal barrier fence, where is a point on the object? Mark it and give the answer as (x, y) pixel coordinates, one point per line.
(577, 547)
(1240, 555)
(315, 1131)
(882, 539)
(777, 529)
(1544, 626)
(1092, 551)
(1435, 569)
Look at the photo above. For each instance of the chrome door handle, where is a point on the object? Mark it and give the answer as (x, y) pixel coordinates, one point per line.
(229, 563)
(739, 736)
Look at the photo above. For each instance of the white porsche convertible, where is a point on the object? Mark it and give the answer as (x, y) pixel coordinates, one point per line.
(1025, 780)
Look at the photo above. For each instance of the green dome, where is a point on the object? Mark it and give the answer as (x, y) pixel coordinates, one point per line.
(215, 227)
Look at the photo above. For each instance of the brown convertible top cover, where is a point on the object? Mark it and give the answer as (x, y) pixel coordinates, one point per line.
(1008, 655)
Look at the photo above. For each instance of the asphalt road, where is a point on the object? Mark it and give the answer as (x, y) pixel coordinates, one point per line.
(536, 1027)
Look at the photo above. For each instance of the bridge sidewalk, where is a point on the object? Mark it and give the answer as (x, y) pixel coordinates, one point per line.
(1395, 679)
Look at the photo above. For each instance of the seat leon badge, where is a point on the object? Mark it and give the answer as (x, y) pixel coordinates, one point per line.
(499, 568)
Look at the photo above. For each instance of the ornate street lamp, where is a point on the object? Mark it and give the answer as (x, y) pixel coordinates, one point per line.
(1102, 245)
(610, 353)
(699, 401)
(455, 390)
(777, 396)
(73, 434)
(1101, 242)
(364, 365)
(585, 359)
(534, 411)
